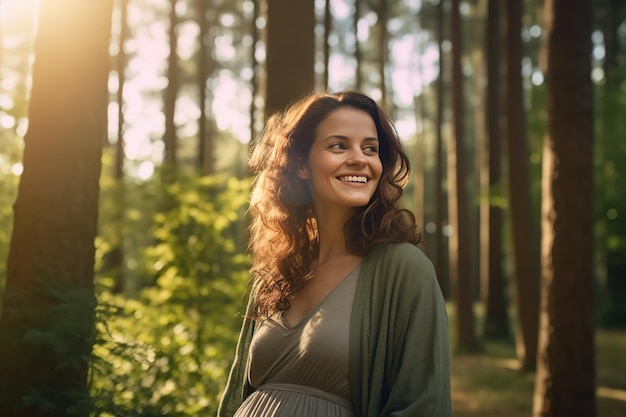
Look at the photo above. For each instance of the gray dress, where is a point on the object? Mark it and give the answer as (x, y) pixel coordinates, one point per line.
(302, 370)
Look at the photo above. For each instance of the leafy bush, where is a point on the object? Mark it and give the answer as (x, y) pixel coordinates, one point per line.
(167, 349)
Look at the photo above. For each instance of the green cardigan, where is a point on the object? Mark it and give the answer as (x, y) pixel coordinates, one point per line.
(399, 351)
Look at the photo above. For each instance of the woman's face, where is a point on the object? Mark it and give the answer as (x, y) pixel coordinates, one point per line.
(344, 166)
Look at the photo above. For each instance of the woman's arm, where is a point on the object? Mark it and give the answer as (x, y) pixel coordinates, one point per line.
(418, 367)
(237, 387)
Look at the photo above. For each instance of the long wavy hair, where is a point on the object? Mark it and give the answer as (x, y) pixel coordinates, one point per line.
(283, 232)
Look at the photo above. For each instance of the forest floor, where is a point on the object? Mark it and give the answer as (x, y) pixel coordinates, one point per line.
(490, 383)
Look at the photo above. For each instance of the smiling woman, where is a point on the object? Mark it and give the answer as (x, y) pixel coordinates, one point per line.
(339, 284)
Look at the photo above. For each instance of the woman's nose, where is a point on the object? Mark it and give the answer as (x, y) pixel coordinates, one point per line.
(357, 158)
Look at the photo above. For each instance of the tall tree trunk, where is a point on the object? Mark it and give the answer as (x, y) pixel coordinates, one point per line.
(205, 145)
(256, 80)
(169, 100)
(47, 318)
(115, 263)
(611, 46)
(525, 242)
(328, 27)
(496, 316)
(358, 79)
(459, 209)
(383, 41)
(441, 261)
(290, 52)
(565, 380)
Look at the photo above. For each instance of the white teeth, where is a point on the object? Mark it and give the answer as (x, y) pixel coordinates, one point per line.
(353, 178)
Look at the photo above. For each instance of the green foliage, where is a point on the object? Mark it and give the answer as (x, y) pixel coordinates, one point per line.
(167, 348)
(46, 341)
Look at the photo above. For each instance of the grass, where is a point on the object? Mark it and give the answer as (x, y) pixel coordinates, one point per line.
(490, 384)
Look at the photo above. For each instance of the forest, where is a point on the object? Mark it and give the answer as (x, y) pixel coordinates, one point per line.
(125, 126)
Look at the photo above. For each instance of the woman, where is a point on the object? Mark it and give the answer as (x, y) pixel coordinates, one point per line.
(345, 317)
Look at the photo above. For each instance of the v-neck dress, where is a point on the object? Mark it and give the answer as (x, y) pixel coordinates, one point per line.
(301, 370)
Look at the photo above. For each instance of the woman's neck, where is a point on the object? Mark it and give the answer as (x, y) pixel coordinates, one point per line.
(332, 239)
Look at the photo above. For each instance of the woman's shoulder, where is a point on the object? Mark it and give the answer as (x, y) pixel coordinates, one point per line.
(400, 253)
(399, 261)
(400, 268)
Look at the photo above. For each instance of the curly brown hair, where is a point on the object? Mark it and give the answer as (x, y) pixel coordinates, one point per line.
(283, 239)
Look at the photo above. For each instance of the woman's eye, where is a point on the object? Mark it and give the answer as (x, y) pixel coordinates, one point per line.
(371, 149)
(335, 146)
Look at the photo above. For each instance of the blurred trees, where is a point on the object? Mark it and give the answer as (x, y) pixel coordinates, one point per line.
(48, 303)
(200, 77)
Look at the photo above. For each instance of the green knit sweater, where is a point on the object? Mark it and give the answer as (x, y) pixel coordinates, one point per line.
(399, 351)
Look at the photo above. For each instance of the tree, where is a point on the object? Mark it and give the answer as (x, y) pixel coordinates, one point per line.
(382, 13)
(460, 262)
(526, 263)
(171, 93)
(440, 247)
(47, 316)
(565, 380)
(205, 145)
(290, 52)
(358, 79)
(328, 28)
(496, 316)
(115, 257)
(257, 81)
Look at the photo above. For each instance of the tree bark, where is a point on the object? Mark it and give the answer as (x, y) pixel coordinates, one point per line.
(170, 95)
(328, 27)
(565, 380)
(115, 257)
(459, 209)
(441, 263)
(290, 52)
(47, 318)
(383, 46)
(525, 241)
(496, 315)
(205, 144)
(257, 80)
(358, 79)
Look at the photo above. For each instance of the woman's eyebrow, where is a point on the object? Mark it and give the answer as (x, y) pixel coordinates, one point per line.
(343, 137)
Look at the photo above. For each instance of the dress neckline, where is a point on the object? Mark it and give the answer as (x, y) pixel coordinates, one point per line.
(288, 326)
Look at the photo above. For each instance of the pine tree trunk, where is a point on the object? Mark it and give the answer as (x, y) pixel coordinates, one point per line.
(459, 209)
(565, 380)
(205, 145)
(47, 318)
(525, 241)
(496, 315)
(358, 79)
(328, 27)
(290, 52)
(441, 255)
(169, 100)
(115, 257)
(383, 40)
